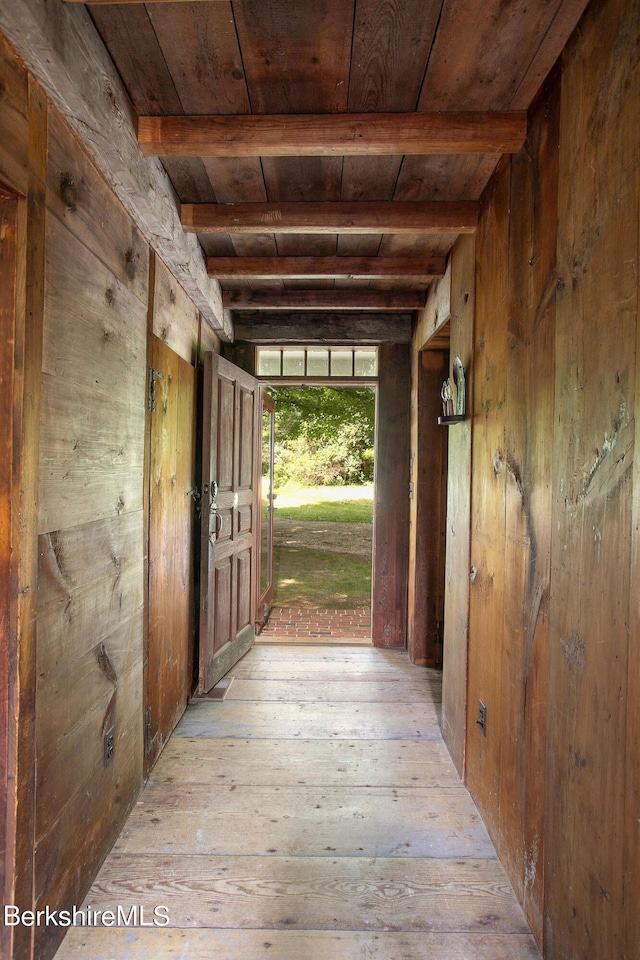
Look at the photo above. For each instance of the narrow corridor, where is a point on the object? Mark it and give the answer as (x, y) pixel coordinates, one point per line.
(313, 814)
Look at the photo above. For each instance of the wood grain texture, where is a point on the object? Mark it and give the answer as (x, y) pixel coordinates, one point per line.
(436, 312)
(30, 286)
(374, 300)
(8, 303)
(335, 135)
(14, 121)
(457, 584)
(81, 199)
(326, 822)
(62, 48)
(176, 319)
(329, 218)
(168, 676)
(390, 47)
(485, 36)
(301, 268)
(336, 763)
(391, 500)
(201, 944)
(94, 331)
(488, 499)
(593, 452)
(529, 424)
(397, 722)
(427, 516)
(334, 327)
(89, 655)
(283, 892)
(318, 38)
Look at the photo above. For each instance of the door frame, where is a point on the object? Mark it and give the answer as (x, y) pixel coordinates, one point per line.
(264, 598)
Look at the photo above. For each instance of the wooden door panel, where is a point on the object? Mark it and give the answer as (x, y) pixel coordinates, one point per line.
(245, 519)
(172, 476)
(224, 603)
(246, 438)
(226, 413)
(228, 519)
(245, 587)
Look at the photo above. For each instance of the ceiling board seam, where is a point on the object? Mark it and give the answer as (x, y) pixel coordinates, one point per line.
(433, 43)
(164, 59)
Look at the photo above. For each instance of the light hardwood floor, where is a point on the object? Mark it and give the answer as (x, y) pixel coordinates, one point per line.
(314, 814)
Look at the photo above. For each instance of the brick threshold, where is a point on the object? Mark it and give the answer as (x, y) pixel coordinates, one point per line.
(318, 626)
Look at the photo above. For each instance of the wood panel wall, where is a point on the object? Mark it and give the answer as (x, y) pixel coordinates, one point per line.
(553, 616)
(458, 512)
(588, 903)
(427, 509)
(79, 293)
(391, 508)
(90, 524)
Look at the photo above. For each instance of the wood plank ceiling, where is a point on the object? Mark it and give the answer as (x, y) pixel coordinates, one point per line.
(337, 212)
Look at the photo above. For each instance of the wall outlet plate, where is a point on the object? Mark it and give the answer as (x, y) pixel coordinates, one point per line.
(482, 717)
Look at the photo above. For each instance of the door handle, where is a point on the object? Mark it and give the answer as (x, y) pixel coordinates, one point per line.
(217, 528)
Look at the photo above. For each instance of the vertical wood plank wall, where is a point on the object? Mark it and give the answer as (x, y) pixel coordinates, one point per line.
(458, 512)
(597, 402)
(553, 621)
(391, 509)
(90, 525)
(76, 622)
(427, 509)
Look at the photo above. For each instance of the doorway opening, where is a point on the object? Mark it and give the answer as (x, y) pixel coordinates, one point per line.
(319, 489)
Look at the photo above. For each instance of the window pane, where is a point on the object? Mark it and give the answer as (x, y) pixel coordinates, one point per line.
(317, 363)
(269, 363)
(341, 363)
(366, 363)
(293, 363)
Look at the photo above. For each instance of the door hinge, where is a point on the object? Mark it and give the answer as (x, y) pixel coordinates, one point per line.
(153, 376)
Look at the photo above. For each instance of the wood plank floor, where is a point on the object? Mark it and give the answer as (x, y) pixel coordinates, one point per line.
(314, 814)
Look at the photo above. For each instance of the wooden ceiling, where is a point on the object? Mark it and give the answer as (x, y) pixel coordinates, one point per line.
(328, 152)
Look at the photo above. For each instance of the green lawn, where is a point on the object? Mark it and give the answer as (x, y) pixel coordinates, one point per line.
(340, 504)
(346, 511)
(316, 578)
(311, 578)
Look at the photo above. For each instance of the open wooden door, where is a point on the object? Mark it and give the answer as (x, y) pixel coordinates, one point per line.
(231, 432)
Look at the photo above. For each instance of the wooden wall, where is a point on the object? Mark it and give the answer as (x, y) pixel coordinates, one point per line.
(458, 512)
(74, 372)
(391, 508)
(554, 493)
(427, 509)
(90, 525)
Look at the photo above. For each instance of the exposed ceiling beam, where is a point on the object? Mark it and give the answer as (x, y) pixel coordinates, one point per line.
(332, 135)
(325, 268)
(324, 299)
(323, 328)
(387, 216)
(62, 48)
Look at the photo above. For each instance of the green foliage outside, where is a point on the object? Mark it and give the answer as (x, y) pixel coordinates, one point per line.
(324, 435)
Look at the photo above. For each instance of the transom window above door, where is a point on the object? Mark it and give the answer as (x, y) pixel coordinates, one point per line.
(308, 363)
